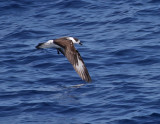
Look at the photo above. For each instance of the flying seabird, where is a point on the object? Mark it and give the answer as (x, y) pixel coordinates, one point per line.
(65, 45)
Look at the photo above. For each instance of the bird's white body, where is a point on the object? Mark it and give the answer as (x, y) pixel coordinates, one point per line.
(50, 44)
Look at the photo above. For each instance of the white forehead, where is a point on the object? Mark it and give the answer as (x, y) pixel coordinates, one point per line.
(72, 39)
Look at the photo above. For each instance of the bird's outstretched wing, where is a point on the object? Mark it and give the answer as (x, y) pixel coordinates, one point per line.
(76, 60)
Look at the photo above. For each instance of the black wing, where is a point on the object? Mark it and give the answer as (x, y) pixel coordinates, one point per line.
(76, 60)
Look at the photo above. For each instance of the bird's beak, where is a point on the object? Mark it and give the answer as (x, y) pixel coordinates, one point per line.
(80, 43)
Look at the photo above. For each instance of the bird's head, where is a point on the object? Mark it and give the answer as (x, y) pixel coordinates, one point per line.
(74, 40)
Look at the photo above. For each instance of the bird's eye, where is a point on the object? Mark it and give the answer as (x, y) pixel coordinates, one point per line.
(76, 39)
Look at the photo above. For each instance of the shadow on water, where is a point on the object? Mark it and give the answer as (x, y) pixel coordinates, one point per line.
(77, 85)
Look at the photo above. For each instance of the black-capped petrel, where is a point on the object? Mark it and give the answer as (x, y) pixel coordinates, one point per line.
(65, 45)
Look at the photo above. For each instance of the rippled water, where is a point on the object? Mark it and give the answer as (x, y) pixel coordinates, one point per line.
(121, 51)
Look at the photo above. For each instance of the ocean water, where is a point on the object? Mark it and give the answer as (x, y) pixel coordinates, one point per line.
(121, 49)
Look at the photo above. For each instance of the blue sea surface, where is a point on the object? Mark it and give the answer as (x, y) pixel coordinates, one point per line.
(121, 49)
